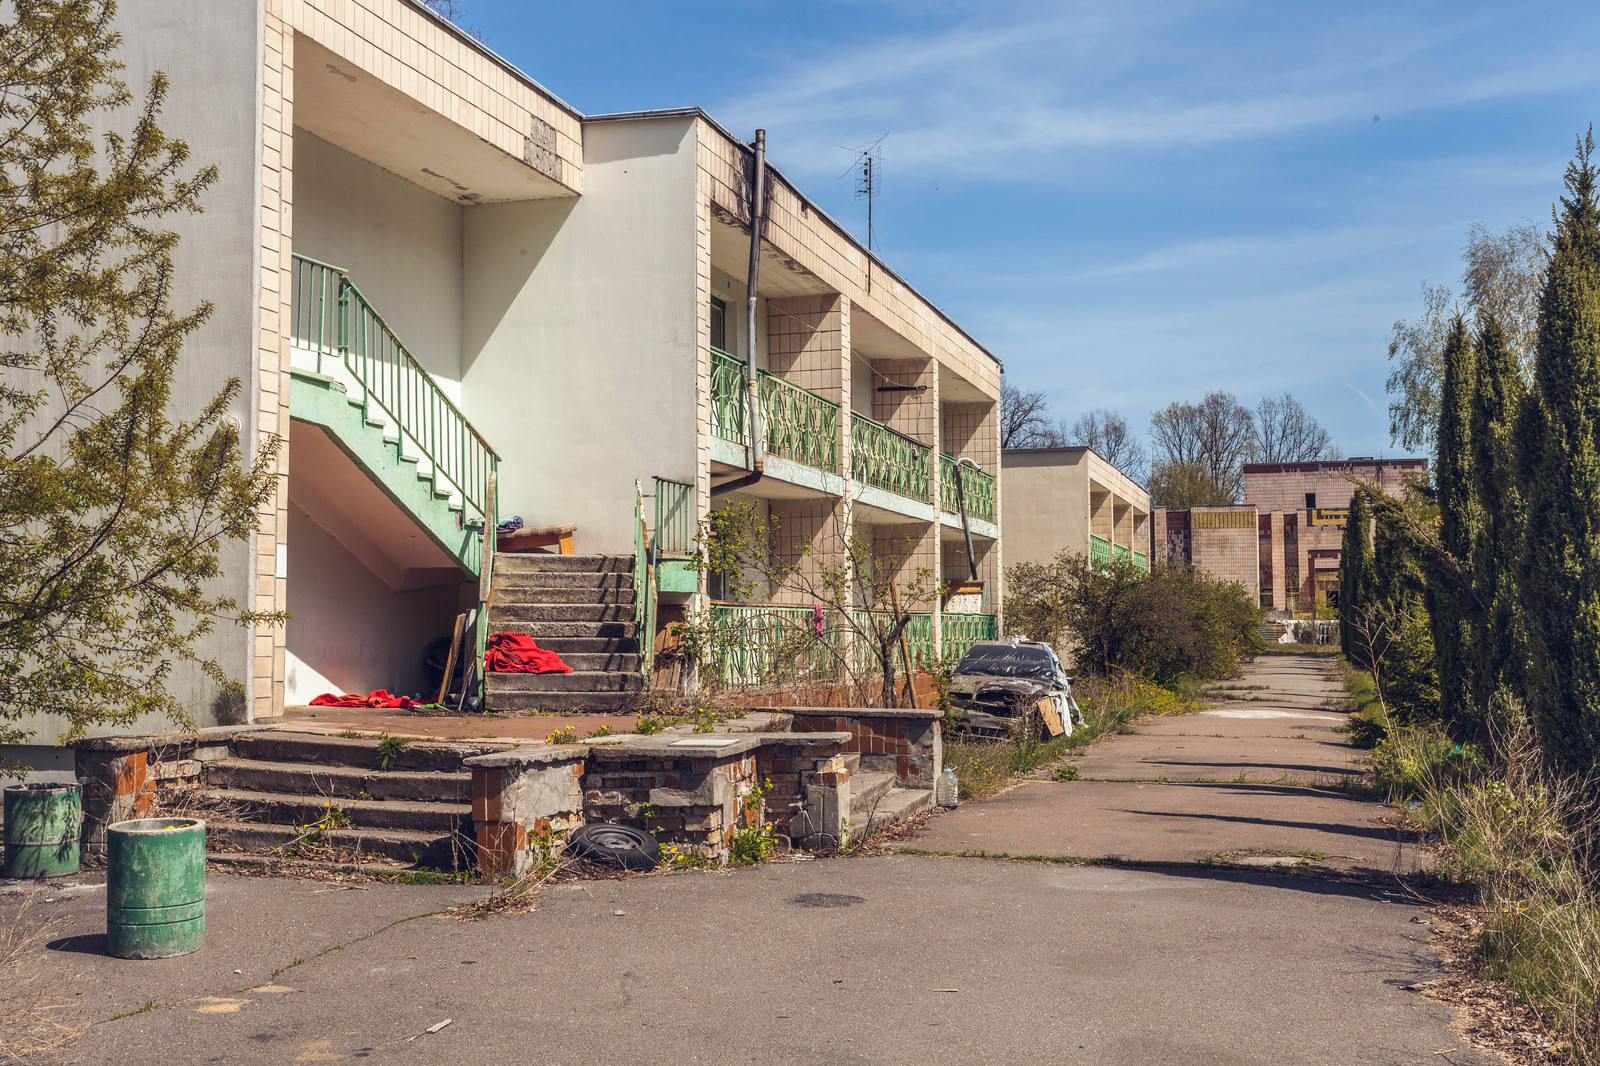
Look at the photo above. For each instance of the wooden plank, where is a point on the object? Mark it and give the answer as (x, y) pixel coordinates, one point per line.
(450, 660)
(1051, 716)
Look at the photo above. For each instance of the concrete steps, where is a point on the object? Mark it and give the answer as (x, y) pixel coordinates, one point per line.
(273, 784)
(582, 607)
(877, 801)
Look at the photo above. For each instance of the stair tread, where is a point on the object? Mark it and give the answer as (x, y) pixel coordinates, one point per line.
(240, 795)
(897, 805)
(868, 790)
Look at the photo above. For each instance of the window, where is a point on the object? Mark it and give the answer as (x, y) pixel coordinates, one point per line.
(1311, 501)
(719, 325)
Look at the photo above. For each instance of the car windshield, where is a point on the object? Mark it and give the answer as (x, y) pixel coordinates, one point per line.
(1006, 660)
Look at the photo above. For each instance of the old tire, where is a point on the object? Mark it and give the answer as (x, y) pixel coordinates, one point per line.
(608, 844)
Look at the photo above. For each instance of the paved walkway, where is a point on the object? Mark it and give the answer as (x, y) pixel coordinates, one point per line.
(1256, 780)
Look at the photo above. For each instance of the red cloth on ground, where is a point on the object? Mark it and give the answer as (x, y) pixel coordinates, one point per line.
(378, 698)
(516, 653)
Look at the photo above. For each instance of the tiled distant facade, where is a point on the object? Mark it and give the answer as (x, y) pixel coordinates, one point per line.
(1283, 543)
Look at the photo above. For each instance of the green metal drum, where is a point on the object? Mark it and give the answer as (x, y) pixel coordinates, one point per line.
(155, 887)
(42, 825)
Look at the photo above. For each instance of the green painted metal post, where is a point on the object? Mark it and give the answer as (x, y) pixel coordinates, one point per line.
(155, 887)
(42, 826)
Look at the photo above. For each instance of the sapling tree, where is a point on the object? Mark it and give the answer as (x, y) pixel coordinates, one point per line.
(115, 506)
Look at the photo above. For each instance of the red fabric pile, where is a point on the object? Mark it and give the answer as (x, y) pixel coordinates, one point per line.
(516, 653)
(378, 698)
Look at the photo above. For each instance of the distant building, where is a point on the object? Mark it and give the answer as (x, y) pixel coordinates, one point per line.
(1071, 498)
(1282, 544)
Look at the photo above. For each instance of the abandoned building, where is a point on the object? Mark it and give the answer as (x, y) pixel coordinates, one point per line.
(1283, 542)
(1072, 499)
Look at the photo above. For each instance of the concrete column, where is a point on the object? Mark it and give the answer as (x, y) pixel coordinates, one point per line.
(1280, 599)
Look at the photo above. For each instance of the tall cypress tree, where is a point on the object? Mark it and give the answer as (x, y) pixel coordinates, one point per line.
(1496, 409)
(1453, 619)
(1561, 582)
(1356, 580)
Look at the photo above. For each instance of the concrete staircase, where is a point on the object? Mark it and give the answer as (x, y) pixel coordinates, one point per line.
(582, 608)
(877, 801)
(273, 783)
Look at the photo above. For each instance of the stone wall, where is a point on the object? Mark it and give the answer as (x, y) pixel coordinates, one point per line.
(907, 743)
(141, 777)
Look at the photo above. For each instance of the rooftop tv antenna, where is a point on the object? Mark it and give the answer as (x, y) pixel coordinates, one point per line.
(868, 168)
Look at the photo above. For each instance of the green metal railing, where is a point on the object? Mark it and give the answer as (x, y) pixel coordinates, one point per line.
(978, 487)
(674, 529)
(961, 631)
(756, 643)
(644, 584)
(1099, 550)
(918, 634)
(1141, 560)
(1121, 553)
(890, 460)
(795, 424)
(334, 320)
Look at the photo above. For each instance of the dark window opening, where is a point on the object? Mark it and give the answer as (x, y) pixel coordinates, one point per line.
(719, 325)
(1311, 501)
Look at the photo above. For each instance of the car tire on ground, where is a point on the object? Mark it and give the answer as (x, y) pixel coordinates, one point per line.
(609, 844)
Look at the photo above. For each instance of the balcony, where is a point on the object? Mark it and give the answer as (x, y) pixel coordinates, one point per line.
(976, 486)
(795, 424)
(888, 460)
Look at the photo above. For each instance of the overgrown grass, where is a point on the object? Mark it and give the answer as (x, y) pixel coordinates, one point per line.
(32, 1026)
(1110, 705)
(1526, 842)
(1369, 718)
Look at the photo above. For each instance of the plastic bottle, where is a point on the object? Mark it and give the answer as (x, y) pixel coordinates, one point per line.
(946, 791)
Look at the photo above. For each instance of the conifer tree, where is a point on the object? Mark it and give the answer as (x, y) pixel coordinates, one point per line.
(1496, 410)
(1561, 582)
(1356, 580)
(1453, 619)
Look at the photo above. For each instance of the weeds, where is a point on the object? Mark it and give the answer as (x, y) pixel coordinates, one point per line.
(564, 735)
(1526, 841)
(753, 841)
(29, 1027)
(389, 749)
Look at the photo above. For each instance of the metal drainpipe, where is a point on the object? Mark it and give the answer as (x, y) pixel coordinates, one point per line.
(966, 526)
(753, 378)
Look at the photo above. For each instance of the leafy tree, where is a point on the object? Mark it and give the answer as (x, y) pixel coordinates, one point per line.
(1502, 277)
(113, 512)
(1356, 580)
(1163, 623)
(1453, 617)
(1496, 558)
(1218, 434)
(1287, 433)
(1179, 486)
(1561, 584)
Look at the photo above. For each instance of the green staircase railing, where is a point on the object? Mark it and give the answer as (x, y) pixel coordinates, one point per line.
(333, 320)
(644, 585)
(756, 643)
(674, 529)
(975, 484)
(1099, 550)
(795, 424)
(959, 632)
(889, 460)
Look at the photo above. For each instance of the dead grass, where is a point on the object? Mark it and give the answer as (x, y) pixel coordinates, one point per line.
(32, 1027)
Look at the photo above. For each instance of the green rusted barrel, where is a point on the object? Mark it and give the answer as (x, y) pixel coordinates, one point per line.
(42, 825)
(155, 887)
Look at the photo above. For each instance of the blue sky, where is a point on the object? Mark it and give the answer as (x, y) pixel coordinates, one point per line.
(1131, 203)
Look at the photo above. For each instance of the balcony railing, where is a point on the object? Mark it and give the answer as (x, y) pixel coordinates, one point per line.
(353, 344)
(889, 460)
(1121, 553)
(977, 486)
(674, 529)
(918, 636)
(1099, 550)
(762, 643)
(795, 424)
(1141, 560)
(962, 631)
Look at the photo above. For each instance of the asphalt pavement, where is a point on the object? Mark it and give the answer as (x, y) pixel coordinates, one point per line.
(899, 958)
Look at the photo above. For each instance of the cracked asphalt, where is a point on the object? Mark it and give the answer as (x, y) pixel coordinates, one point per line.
(898, 958)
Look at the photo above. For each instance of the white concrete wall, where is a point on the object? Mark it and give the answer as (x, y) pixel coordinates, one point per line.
(213, 103)
(863, 385)
(400, 243)
(350, 632)
(579, 348)
(1047, 503)
(731, 291)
